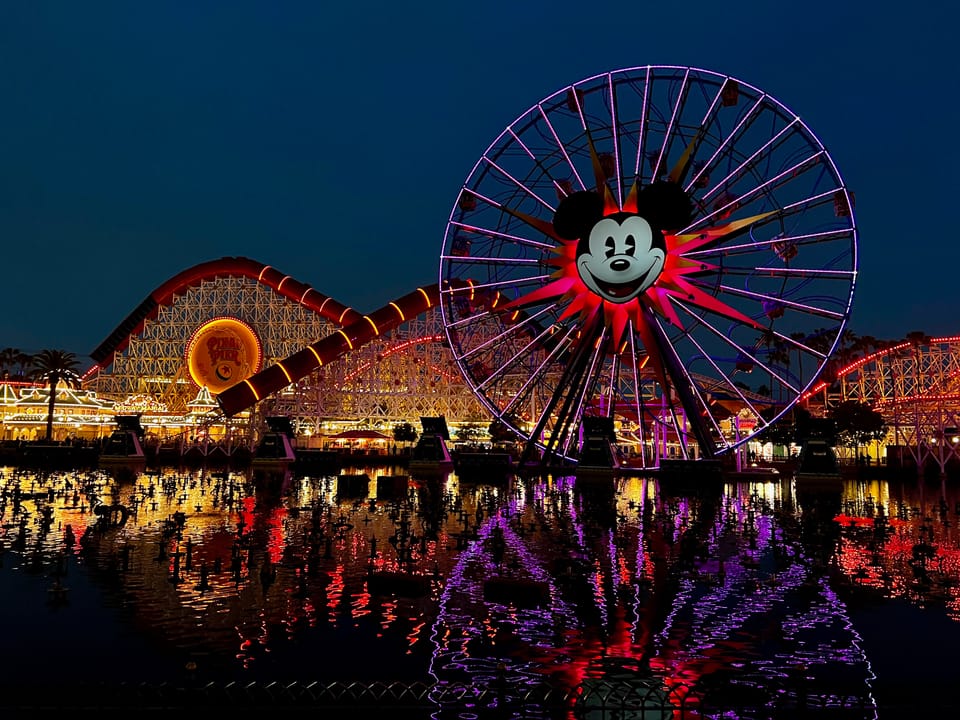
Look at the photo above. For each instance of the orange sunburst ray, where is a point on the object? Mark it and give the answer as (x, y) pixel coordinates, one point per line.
(544, 226)
(696, 240)
(679, 170)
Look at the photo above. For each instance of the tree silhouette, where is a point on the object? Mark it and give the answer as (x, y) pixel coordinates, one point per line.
(11, 358)
(54, 367)
(404, 432)
(499, 432)
(857, 423)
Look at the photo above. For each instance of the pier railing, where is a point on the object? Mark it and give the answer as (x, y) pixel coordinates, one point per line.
(643, 699)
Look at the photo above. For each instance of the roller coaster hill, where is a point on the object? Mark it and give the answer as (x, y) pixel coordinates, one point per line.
(367, 372)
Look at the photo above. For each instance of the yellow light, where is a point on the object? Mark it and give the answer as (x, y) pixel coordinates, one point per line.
(349, 344)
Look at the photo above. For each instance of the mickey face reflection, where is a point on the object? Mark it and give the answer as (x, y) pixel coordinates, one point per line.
(621, 257)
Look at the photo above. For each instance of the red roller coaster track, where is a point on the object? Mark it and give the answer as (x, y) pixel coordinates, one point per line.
(284, 285)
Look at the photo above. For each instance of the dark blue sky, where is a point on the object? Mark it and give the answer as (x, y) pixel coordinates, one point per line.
(330, 140)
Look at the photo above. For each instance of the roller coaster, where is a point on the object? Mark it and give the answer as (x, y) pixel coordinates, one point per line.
(915, 385)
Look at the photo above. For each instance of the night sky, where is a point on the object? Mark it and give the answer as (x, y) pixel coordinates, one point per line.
(330, 140)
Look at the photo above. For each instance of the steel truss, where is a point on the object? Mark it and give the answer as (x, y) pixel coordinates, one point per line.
(916, 386)
(399, 377)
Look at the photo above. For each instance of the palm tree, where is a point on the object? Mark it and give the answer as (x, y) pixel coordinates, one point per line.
(8, 358)
(23, 361)
(54, 367)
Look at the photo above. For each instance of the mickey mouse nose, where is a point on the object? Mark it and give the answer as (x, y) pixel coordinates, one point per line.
(620, 265)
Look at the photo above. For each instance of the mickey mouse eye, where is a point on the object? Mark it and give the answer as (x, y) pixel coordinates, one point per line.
(611, 246)
(631, 245)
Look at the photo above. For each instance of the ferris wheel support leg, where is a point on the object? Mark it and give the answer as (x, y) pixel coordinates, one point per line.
(571, 382)
(674, 368)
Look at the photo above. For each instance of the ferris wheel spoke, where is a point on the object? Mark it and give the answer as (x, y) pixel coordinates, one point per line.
(513, 282)
(560, 145)
(809, 309)
(598, 175)
(727, 380)
(725, 145)
(497, 235)
(786, 240)
(615, 132)
(513, 361)
(790, 272)
(479, 260)
(796, 344)
(751, 160)
(536, 223)
(715, 331)
(680, 169)
(514, 329)
(778, 180)
(791, 211)
(536, 161)
(668, 132)
(644, 115)
(538, 374)
(519, 184)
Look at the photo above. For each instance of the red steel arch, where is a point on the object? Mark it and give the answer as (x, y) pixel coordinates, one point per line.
(283, 284)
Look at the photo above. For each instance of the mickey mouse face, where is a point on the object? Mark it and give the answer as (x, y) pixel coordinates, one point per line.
(621, 254)
(620, 258)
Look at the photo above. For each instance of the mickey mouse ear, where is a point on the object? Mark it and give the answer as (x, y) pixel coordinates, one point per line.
(577, 213)
(665, 205)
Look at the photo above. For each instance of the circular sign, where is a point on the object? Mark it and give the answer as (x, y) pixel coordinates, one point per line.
(223, 352)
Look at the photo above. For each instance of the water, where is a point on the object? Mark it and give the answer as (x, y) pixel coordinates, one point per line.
(751, 591)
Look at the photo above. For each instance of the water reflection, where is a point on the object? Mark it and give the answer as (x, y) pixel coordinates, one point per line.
(268, 576)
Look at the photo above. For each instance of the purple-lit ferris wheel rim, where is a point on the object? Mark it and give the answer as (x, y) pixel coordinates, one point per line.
(642, 88)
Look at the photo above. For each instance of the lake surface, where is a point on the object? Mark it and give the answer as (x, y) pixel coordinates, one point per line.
(748, 589)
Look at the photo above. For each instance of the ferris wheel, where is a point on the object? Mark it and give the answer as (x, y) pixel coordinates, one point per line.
(663, 246)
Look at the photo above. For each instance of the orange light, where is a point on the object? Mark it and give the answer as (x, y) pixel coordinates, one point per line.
(222, 352)
(256, 395)
(372, 324)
